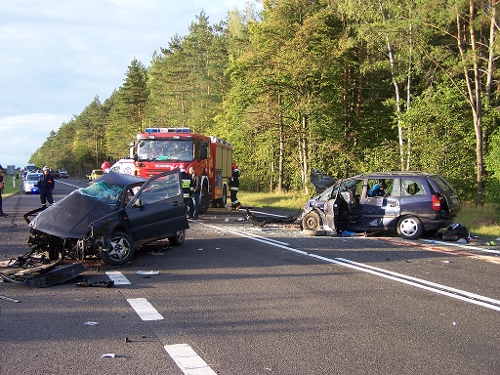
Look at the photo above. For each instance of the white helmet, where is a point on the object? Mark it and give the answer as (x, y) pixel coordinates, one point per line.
(46, 168)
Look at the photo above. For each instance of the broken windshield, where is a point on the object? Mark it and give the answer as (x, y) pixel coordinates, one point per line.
(105, 193)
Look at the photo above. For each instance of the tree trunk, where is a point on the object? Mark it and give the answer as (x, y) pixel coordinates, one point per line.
(474, 92)
(304, 154)
(281, 148)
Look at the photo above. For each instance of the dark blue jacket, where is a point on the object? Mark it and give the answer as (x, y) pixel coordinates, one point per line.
(46, 182)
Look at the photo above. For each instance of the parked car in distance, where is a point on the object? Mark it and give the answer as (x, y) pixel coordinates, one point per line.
(406, 203)
(111, 218)
(63, 173)
(30, 183)
(95, 174)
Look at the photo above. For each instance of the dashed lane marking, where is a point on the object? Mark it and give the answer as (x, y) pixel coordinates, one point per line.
(144, 309)
(188, 361)
(118, 278)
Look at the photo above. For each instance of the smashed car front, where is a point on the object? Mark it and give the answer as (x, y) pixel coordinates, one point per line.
(71, 219)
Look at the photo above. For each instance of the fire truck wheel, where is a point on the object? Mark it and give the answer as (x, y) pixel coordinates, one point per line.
(204, 201)
(223, 201)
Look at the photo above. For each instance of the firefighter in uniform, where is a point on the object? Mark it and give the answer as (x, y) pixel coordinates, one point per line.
(194, 199)
(46, 184)
(234, 186)
(186, 187)
(1, 188)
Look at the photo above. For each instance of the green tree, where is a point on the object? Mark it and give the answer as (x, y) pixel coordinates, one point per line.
(127, 108)
(466, 53)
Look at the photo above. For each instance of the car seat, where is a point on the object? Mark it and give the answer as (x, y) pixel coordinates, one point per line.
(351, 201)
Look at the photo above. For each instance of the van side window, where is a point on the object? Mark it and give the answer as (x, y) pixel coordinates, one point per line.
(412, 187)
(382, 187)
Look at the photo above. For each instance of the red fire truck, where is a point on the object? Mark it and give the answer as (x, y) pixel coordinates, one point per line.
(162, 149)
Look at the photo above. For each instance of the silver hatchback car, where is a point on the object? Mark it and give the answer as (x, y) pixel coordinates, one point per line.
(406, 203)
(30, 183)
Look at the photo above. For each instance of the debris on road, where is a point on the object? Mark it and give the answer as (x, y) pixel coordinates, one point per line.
(5, 298)
(148, 273)
(102, 284)
(262, 219)
(40, 272)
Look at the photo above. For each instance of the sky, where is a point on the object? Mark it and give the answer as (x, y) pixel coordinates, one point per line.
(56, 56)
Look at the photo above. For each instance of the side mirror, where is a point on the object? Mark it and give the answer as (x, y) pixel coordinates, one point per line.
(137, 203)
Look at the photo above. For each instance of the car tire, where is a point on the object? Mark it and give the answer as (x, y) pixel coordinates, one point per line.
(410, 228)
(178, 238)
(311, 221)
(120, 250)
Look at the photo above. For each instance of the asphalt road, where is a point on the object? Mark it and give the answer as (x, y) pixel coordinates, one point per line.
(240, 299)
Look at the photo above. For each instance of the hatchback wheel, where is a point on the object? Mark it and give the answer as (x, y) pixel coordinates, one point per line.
(178, 238)
(410, 228)
(120, 250)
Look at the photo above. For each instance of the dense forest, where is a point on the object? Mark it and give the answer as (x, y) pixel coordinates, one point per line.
(344, 86)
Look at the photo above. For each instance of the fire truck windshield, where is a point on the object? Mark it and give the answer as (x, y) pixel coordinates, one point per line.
(165, 149)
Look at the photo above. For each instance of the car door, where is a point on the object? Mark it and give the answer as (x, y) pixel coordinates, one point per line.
(382, 210)
(157, 210)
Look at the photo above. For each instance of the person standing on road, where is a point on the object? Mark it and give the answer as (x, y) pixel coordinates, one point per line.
(234, 186)
(46, 184)
(1, 191)
(194, 199)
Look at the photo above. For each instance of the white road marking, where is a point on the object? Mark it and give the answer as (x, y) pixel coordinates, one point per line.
(188, 361)
(463, 246)
(118, 278)
(144, 309)
(462, 295)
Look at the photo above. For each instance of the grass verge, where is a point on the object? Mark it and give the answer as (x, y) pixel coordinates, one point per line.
(8, 191)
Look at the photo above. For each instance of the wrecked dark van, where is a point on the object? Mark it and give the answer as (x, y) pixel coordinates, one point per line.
(111, 218)
(407, 203)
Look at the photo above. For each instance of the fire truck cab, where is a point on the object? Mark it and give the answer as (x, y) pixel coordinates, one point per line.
(164, 149)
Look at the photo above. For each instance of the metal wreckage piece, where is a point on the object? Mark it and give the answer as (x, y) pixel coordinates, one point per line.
(25, 271)
(261, 220)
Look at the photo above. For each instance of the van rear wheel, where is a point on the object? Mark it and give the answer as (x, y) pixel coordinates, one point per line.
(410, 228)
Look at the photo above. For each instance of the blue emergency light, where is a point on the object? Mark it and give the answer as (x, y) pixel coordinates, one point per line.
(168, 130)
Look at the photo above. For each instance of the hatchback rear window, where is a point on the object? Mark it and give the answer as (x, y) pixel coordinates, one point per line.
(443, 185)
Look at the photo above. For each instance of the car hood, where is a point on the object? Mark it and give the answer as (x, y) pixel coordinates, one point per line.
(71, 216)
